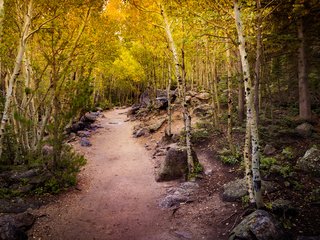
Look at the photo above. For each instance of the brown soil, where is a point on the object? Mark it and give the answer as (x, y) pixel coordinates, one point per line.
(117, 196)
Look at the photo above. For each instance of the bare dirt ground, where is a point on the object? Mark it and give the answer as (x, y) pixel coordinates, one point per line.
(117, 197)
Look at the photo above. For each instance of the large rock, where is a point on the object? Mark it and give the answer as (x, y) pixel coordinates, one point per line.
(235, 190)
(282, 207)
(13, 227)
(89, 117)
(304, 130)
(144, 99)
(140, 132)
(259, 225)
(161, 103)
(175, 165)
(155, 127)
(173, 200)
(310, 162)
(177, 195)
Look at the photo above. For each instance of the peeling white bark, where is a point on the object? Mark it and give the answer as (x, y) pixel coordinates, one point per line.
(181, 86)
(251, 113)
(16, 72)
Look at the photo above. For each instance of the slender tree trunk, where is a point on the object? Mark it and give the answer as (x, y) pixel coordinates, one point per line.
(240, 95)
(182, 86)
(215, 86)
(304, 95)
(258, 60)
(230, 103)
(169, 133)
(251, 113)
(247, 163)
(16, 72)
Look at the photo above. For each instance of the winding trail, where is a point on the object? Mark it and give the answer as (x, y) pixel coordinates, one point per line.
(119, 196)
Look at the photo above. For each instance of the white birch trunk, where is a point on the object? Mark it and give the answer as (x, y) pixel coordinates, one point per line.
(16, 72)
(258, 60)
(169, 101)
(230, 103)
(181, 86)
(251, 113)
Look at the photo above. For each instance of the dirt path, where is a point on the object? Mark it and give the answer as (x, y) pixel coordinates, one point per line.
(118, 197)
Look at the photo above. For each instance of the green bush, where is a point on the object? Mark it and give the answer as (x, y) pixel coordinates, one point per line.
(288, 153)
(229, 158)
(267, 162)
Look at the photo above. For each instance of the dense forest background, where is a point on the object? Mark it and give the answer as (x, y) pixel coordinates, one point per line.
(60, 59)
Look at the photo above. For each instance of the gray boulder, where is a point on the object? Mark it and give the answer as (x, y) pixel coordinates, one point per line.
(13, 227)
(140, 132)
(310, 162)
(89, 117)
(304, 130)
(181, 194)
(175, 165)
(259, 225)
(283, 207)
(235, 190)
(155, 127)
(173, 200)
(269, 150)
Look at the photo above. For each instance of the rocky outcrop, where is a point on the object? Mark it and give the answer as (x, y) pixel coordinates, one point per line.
(175, 165)
(13, 227)
(310, 162)
(259, 225)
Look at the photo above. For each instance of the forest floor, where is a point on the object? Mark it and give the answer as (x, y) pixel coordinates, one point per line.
(117, 196)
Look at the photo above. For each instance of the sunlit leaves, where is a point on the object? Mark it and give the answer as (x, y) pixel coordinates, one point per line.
(125, 67)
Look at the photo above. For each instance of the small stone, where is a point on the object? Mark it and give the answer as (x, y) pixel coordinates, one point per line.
(183, 234)
(84, 142)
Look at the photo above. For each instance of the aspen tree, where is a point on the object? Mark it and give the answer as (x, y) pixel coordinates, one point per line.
(251, 113)
(24, 35)
(182, 89)
(230, 103)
